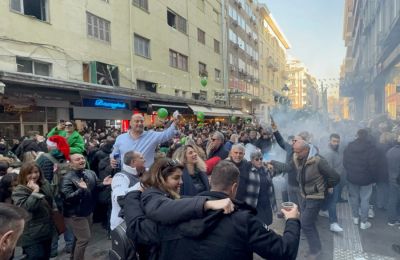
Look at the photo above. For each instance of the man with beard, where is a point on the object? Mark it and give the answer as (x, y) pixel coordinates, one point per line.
(12, 222)
(215, 146)
(334, 158)
(145, 142)
(265, 141)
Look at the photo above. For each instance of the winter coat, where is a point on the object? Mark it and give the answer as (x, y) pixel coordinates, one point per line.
(104, 151)
(360, 159)
(47, 166)
(77, 201)
(215, 236)
(335, 160)
(221, 152)
(393, 158)
(30, 145)
(76, 143)
(55, 131)
(244, 178)
(264, 144)
(382, 174)
(40, 227)
(188, 188)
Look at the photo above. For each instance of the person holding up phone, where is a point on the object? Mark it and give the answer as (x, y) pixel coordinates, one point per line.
(59, 129)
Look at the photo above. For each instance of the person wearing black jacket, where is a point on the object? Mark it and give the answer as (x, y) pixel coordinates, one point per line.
(218, 236)
(215, 146)
(360, 159)
(78, 191)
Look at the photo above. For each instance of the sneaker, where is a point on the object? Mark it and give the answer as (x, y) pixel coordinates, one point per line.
(371, 212)
(355, 221)
(324, 214)
(394, 223)
(336, 228)
(365, 225)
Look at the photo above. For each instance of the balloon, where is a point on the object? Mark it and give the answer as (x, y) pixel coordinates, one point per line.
(248, 120)
(233, 119)
(204, 82)
(183, 140)
(162, 113)
(200, 116)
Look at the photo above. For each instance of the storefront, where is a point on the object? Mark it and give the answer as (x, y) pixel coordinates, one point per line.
(25, 109)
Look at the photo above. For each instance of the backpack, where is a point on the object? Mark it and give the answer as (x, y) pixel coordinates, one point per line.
(123, 248)
(60, 169)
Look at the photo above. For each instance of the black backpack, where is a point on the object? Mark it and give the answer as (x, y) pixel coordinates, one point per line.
(122, 248)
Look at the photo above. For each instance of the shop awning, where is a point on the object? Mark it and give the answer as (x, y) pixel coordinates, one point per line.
(215, 111)
(100, 113)
(169, 105)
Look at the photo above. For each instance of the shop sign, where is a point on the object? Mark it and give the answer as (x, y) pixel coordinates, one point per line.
(103, 103)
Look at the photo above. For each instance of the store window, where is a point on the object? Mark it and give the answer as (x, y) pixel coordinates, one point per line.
(38, 114)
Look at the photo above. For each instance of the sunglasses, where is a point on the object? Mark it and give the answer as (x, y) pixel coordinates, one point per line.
(68, 125)
(170, 164)
(257, 159)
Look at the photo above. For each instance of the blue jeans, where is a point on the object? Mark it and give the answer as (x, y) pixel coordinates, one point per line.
(330, 202)
(68, 238)
(393, 203)
(359, 199)
(309, 215)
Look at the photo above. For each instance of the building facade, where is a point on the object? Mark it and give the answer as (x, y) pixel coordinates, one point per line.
(371, 66)
(303, 87)
(272, 66)
(101, 59)
(243, 54)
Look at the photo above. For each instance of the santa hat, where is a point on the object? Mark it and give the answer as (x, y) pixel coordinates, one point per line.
(60, 143)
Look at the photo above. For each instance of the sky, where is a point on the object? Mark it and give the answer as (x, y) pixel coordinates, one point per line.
(314, 29)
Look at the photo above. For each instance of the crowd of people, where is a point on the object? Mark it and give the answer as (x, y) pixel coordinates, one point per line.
(185, 190)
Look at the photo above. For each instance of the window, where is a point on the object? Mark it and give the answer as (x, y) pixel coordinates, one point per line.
(178, 60)
(176, 92)
(35, 8)
(217, 75)
(216, 16)
(202, 69)
(232, 36)
(216, 46)
(104, 74)
(142, 46)
(142, 4)
(98, 28)
(34, 67)
(201, 36)
(176, 21)
(203, 95)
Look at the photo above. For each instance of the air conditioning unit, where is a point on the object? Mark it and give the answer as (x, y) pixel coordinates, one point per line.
(249, 34)
(255, 41)
(236, 46)
(239, 4)
(235, 23)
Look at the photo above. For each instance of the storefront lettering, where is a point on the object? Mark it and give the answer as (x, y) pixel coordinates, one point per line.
(108, 104)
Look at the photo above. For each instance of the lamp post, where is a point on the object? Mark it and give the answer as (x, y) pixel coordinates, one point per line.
(285, 91)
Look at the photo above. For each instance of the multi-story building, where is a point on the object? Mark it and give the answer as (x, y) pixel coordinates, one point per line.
(100, 59)
(272, 51)
(303, 88)
(371, 66)
(243, 54)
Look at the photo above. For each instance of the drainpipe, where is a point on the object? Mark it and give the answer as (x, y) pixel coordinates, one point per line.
(225, 52)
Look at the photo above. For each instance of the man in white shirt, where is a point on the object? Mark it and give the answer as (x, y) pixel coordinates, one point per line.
(132, 168)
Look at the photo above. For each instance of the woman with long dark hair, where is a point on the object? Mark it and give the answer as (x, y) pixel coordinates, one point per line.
(34, 194)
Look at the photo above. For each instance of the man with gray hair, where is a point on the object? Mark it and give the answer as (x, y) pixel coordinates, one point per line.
(236, 156)
(215, 146)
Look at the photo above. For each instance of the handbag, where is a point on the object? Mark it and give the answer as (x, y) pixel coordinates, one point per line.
(58, 220)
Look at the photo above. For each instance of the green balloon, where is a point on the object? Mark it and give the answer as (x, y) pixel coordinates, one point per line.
(200, 116)
(204, 82)
(233, 119)
(183, 140)
(162, 113)
(248, 120)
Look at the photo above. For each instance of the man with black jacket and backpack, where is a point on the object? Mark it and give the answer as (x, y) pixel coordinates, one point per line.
(132, 169)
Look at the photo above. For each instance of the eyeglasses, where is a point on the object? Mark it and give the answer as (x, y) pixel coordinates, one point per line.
(257, 159)
(68, 125)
